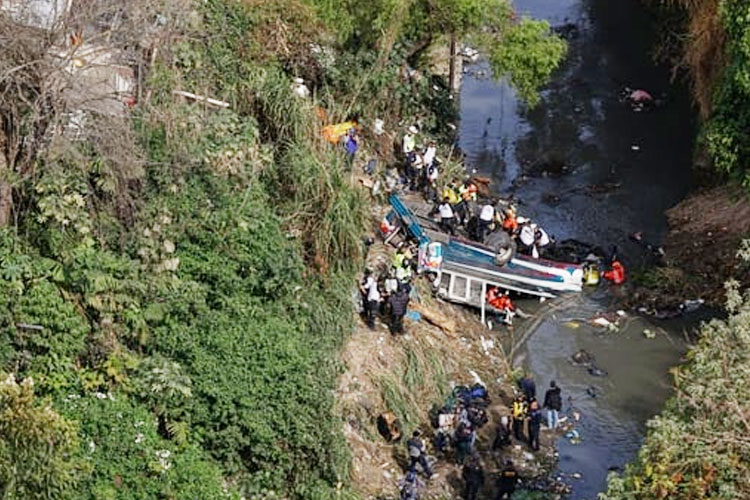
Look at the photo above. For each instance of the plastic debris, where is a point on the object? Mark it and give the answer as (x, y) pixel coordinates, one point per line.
(378, 126)
(635, 148)
(414, 315)
(576, 475)
(300, 89)
(601, 322)
(649, 334)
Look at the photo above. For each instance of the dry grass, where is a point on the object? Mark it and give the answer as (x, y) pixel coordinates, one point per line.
(702, 48)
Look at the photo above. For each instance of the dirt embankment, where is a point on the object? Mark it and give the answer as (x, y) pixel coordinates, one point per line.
(408, 375)
(706, 231)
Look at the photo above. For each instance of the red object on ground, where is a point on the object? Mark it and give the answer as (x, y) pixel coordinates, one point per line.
(617, 274)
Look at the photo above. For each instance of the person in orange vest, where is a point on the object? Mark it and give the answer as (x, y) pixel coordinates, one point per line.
(510, 223)
(501, 302)
(617, 274)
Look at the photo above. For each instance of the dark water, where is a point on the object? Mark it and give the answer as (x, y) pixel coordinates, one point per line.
(581, 124)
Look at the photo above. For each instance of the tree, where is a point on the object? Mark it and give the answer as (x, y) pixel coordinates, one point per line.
(36, 446)
(524, 50)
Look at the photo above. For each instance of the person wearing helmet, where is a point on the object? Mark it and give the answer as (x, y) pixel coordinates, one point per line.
(484, 224)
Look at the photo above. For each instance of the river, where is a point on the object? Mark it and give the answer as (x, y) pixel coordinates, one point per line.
(645, 158)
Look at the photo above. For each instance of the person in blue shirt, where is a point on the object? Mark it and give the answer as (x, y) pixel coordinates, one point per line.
(351, 144)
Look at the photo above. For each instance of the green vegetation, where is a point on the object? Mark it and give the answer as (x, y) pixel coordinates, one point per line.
(710, 39)
(177, 283)
(698, 447)
(726, 132)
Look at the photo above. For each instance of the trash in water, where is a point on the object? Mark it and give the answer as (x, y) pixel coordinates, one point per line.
(691, 305)
(572, 434)
(576, 475)
(572, 324)
(649, 334)
(601, 322)
(635, 148)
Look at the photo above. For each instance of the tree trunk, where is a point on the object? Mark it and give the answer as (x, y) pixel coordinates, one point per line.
(6, 192)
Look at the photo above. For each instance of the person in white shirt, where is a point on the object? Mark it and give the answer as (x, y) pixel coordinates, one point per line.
(429, 154)
(486, 218)
(372, 298)
(447, 217)
(409, 142)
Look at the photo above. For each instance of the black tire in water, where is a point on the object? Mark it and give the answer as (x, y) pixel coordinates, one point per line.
(503, 245)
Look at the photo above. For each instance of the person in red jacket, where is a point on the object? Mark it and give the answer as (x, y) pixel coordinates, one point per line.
(617, 274)
(501, 302)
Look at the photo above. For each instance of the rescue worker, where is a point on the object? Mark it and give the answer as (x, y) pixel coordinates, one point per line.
(591, 274)
(430, 186)
(398, 303)
(553, 404)
(467, 193)
(451, 193)
(404, 272)
(447, 216)
(403, 252)
(390, 284)
(372, 298)
(510, 222)
(506, 484)
(473, 476)
(484, 224)
(418, 454)
(541, 240)
(502, 303)
(617, 274)
(502, 434)
(535, 423)
(409, 142)
(519, 416)
(526, 235)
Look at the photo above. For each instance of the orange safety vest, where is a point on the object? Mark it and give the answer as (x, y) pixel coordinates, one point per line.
(504, 303)
(617, 274)
(510, 223)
